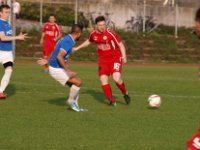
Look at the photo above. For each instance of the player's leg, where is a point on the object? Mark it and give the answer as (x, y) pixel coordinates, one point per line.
(46, 52)
(46, 67)
(75, 85)
(104, 73)
(8, 67)
(120, 84)
(6, 58)
(116, 73)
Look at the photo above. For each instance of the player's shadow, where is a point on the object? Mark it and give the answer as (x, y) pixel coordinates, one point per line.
(58, 101)
(10, 90)
(99, 96)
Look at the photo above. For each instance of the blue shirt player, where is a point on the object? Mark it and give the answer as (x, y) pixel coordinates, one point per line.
(6, 49)
(58, 68)
(65, 45)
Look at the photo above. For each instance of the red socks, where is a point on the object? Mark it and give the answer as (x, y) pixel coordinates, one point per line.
(122, 88)
(46, 67)
(107, 90)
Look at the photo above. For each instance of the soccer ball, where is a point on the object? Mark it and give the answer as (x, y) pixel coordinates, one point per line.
(154, 101)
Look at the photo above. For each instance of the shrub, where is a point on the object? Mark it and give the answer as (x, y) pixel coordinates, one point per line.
(64, 13)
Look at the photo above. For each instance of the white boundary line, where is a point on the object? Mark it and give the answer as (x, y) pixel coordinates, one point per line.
(133, 93)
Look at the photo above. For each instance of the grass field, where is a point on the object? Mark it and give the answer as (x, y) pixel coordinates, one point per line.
(35, 116)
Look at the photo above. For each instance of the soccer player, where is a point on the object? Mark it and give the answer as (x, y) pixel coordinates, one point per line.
(50, 35)
(59, 70)
(197, 22)
(112, 54)
(16, 8)
(197, 28)
(194, 142)
(6, 49)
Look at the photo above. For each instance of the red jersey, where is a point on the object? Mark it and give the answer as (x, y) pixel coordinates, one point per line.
(51, 31)
(194, 142)
(107, 45)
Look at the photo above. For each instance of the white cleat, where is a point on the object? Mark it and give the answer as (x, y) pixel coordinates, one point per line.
(75, 107)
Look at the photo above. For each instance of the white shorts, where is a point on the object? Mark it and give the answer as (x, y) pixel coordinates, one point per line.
(6, 56)
(59, 75)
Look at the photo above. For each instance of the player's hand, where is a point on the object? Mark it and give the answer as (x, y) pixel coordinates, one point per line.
(42, 62)
(124, 60)
(41, 41)
(74, 49)
(22, 36)
(55, 39)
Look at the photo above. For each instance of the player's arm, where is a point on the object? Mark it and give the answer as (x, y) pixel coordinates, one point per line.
(197, 28)
(21, 36)
(58, 37)
(59, 33)
(84, 44)
(123, 52)
(60, 58)
(42, 38)
(121, 46)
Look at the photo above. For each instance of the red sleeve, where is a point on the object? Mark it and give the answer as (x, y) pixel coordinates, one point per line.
(91, 37)
(114, 36)
(44, 28)
(58, 29)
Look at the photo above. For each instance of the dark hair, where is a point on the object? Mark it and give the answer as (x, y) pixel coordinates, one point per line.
(51, 15)
(76, 28)
(99, 19)
(197, 17)
(4, 6)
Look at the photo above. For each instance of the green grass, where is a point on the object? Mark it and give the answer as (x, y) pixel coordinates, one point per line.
(35, 116)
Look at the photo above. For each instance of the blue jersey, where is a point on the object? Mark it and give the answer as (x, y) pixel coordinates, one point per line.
(65, 44)
(5, 27)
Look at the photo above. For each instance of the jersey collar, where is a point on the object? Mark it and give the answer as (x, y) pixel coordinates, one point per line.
(101, 32)
(72, 38)
(51, 23)
(3, 20)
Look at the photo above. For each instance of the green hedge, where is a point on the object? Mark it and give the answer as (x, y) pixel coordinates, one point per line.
(154, 47)
(64, 13)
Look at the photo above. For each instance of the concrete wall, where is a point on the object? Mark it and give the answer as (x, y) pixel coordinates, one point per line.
(120, 13)
(123, 10)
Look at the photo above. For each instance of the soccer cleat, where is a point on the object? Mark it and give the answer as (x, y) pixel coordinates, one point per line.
(74, 107)
(2, 96)
(127, 98)
(112, 102)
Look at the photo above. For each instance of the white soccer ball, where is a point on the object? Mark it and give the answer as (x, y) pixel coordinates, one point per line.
(154, 101)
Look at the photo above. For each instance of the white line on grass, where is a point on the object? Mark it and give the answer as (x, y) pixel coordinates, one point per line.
(133, 93)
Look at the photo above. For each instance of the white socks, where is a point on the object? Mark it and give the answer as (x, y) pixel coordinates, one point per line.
(6, 79)
(73, 95)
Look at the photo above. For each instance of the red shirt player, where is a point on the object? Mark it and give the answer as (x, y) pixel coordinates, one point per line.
(194, 142)
(112, 54)
(50, 35)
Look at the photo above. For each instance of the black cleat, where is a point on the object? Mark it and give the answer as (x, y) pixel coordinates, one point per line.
(112, 102)
(127, 99)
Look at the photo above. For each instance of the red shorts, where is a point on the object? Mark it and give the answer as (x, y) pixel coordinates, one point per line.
(108, 68)
(48, 48)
